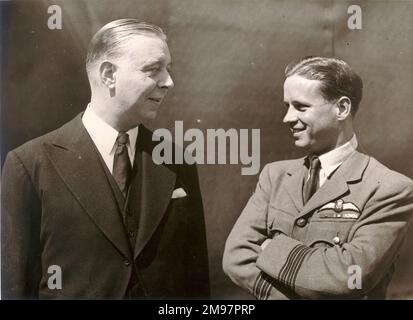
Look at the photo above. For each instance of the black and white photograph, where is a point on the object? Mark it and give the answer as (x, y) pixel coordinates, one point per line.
(189, 150)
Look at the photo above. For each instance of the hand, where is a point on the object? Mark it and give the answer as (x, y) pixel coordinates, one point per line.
(265, 243)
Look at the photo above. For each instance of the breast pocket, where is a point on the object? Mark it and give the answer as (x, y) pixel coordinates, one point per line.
(327, 229)
(279, 221)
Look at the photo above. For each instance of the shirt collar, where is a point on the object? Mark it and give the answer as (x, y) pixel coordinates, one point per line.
(103, 134)
(334, 158)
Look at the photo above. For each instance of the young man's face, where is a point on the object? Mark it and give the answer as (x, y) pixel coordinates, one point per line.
(142, 78)
(312, 119)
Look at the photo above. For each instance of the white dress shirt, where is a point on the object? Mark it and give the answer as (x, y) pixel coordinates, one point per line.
(104, 137)
(331, 160)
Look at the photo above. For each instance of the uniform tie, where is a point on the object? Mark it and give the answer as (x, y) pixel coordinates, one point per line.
(311, 184)
(121, 164)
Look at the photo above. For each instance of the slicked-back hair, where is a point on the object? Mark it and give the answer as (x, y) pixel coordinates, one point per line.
(112, 38)
(337, 78)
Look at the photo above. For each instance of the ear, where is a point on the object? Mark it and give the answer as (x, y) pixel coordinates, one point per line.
(343, 108)
(107, 73)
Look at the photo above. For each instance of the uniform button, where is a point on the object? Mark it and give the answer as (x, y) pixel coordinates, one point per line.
(126, 263)
(336, 240)
(132, 234)
(301, 222)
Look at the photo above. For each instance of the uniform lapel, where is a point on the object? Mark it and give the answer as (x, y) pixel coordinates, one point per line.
(294, 180)
(76, 160)
(157, 185)
(351, 170)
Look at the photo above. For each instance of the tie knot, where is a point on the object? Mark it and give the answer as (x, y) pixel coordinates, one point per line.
(122, 138)
(314, 162)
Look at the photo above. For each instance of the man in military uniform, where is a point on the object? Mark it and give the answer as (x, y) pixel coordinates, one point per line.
(313, 222)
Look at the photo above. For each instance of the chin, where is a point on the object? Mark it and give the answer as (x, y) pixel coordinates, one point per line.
(154, 114)
(301, 144)
(150, 115)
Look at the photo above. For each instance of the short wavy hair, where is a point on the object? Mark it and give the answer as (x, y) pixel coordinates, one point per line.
(109, 41)
(337, 78)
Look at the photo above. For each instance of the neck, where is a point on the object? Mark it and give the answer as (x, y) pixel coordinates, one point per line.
(106, 110)
(343, 138)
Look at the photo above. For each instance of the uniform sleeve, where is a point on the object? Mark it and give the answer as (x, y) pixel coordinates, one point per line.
(325, 272)
(243, 244)
(20, 232)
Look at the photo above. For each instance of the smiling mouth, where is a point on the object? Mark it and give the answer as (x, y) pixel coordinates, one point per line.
(296, 130)
(157, 100)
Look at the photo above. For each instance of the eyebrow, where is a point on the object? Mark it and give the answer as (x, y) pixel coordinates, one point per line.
(299, 102)
(152, 63)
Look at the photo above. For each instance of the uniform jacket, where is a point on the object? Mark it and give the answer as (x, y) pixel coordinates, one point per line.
(356, 220)
(58, 208)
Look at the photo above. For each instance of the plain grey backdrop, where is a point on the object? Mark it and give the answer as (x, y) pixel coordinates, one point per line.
(228, 63)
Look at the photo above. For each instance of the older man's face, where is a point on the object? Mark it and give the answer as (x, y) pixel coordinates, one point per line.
(142, 78)
(312, 120)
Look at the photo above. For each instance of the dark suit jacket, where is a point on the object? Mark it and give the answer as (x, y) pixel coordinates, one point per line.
(58, 208)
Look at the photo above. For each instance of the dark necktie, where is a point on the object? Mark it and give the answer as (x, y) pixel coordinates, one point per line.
(312, 181)
(121, 164)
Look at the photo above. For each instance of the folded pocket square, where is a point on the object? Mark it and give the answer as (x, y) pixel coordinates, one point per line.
(179, 193)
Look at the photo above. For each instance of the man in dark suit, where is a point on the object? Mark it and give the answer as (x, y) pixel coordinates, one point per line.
(86, 213)
(331, 224)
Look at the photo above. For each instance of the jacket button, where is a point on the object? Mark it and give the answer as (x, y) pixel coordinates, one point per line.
(126, 263)
(336, 240)
(132, 234)
(301, 222)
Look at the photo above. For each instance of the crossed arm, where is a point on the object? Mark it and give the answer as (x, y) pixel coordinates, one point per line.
(288, 268)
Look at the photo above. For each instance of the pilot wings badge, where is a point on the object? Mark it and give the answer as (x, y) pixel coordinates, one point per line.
(339, 209)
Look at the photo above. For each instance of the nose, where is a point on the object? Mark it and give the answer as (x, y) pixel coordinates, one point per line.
(291, 115)
(166, 80)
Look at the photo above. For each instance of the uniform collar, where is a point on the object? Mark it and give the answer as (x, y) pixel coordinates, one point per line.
(331, 160)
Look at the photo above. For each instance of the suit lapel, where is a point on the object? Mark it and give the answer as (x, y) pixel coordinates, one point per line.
(351, 170)
(76, 160)
(157, 185)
